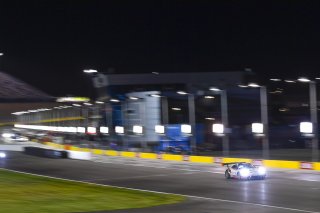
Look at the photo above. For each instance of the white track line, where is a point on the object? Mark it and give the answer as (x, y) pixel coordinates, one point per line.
(189, 196)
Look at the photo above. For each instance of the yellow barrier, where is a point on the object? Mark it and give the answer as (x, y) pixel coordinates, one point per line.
(148, 155)
(55, 145)
(282, 164)
(201, 159)
(128, 154)
(84, 150)
(98, 151)
(111, 153)
(172, 157)
(74, 148)
(316, 166)
(195, 159)
(230, 160)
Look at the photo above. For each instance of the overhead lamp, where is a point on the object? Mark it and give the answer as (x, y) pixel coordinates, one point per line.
(133, 98)
(210, 119)
(254, 85)
(155, 95)
(209, 97)
(214, 89)
(99, 102)
(90, 71)
(114, 100)
(289, 81)
(304, 79)
(182, 93)
(242, 86)
(275, 79)
(176, 109)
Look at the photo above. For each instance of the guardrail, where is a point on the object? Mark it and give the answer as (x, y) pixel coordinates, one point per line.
(281, 164)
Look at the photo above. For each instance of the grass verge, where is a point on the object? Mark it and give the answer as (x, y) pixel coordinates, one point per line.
(28, 193)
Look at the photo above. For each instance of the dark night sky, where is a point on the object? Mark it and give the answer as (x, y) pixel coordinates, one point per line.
(49, 43)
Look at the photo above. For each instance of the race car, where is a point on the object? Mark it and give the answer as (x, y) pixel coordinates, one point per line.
(243, 170)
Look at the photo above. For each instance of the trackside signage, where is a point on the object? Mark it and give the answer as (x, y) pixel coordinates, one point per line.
(306, 165)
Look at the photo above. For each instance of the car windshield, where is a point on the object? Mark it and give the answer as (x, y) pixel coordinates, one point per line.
(245, 165)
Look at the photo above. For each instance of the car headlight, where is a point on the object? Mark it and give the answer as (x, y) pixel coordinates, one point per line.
(2, 155)
(244, 172)
(262, 171)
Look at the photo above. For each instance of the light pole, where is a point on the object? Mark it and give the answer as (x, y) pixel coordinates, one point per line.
(264, 121)
(224, 119)
(192, 118)
(313, 116)
(264, 117)
(192, 122)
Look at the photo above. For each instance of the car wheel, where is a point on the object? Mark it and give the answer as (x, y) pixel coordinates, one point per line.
(227, 174)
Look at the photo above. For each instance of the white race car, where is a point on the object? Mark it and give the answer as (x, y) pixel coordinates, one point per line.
(243, 170)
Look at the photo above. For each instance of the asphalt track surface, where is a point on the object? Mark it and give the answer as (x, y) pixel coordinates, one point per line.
(205, 186)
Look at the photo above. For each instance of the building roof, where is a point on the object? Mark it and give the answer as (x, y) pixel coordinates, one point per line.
(225, 79)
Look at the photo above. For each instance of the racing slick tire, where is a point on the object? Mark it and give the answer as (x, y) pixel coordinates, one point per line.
(262, 177)
(227, 174)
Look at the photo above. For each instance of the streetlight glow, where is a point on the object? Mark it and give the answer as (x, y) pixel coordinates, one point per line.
(254, 85)
(182, 93)
(242, 86)
(114, 100)
(215, 89)
(209, 97)
(289, 81)
(303, 79)
(133, 98)
(90, 71)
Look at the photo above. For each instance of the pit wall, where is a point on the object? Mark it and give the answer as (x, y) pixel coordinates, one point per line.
(279, 164)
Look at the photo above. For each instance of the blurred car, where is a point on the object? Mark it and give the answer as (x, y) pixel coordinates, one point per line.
(13, 137)
(243, 170)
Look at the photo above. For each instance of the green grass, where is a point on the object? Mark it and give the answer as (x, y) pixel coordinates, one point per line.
(29, 193)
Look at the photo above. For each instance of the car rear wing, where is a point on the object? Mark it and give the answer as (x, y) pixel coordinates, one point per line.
(231, 163)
